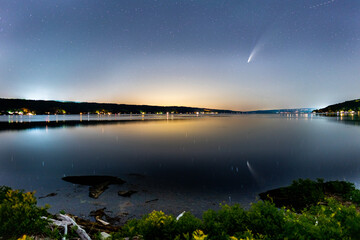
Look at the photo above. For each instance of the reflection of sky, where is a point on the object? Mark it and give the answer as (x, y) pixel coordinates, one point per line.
(305, 53)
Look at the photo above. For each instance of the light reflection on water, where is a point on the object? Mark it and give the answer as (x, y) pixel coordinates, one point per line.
(91, 117)
(230, 156)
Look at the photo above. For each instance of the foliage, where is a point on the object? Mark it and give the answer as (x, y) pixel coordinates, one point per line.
(326, 220)
(186, 225)
(331, 221)
(344, 189)
(155, 225)
(199, 235)
(266, 219)
(304, 193)
(339, 187)
(19, 214)
(25, 237)
(228, 220)
(354, 196)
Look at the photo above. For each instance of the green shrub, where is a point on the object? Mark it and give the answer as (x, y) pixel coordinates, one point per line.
(155, 225)
(266, 219)
(354, 196)
(248, 235)
(227, 221)
(19, 214)
(304, 193)
(130, 229)
(320, 218)
(186, 225)
(332, 221)
(339, 187)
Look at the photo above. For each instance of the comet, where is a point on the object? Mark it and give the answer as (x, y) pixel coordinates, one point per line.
(250, 57)
(270, 32)
(259, 45)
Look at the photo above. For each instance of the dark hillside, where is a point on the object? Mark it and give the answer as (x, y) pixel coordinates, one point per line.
(348, 106)
(57, 107)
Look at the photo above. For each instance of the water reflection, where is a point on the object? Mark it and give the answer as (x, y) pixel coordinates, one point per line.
(230, 156)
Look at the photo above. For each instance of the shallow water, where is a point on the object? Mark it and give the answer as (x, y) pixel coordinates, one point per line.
(187, 162)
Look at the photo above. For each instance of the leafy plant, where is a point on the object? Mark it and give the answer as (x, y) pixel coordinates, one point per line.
(19, 214)
(339, 187)
(304, 193)
(331, 221)
(186, 225)
(354, 196)
(266, 219)
(228, 220)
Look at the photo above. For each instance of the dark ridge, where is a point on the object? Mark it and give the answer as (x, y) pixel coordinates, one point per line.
(57, 107)
(348, 106)
(279, 111)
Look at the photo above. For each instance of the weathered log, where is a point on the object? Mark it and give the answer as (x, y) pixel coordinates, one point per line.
(65, 221)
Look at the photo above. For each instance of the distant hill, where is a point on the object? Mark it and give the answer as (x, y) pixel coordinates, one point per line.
(15, 106)
(274, 111)
(348, 106)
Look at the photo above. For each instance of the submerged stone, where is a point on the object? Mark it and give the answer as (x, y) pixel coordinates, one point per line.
(98, 184)
(126, 193)
(93, 180)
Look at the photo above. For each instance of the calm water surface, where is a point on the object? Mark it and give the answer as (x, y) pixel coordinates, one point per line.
(189, 163)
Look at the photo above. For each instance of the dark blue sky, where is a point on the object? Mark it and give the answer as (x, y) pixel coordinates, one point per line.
(239, 55)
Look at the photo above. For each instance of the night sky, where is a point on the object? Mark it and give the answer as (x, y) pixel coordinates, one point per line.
(240, 55)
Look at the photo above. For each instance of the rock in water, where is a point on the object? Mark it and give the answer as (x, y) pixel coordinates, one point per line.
(49, 195)
(126, 193)
(96, 190)
(98, 184)
(93, 180)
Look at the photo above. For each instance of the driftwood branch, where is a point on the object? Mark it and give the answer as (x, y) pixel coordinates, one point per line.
(65, 221)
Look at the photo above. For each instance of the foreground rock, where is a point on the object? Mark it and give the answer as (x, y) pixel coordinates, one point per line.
(93, 180)
(126, 193)
(98, 184)
(49, 195)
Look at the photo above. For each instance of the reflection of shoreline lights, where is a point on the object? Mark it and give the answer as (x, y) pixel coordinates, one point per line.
(94, 117)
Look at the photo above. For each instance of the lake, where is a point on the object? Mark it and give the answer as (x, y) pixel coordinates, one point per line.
(182, 162)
